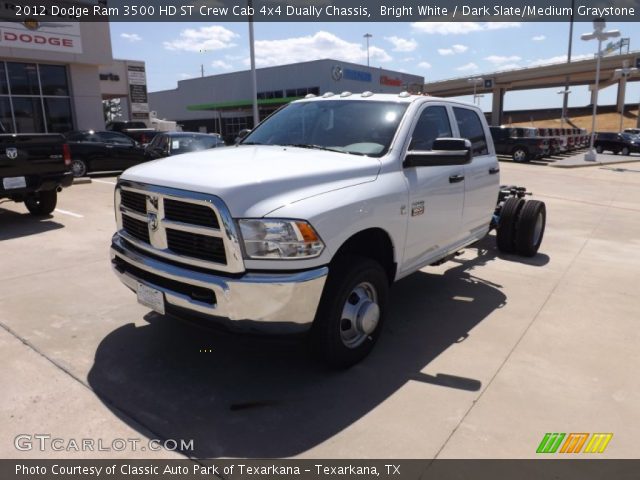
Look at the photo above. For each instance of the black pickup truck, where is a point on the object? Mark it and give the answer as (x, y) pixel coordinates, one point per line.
(33, 169)
(136, 130)
(523, 144)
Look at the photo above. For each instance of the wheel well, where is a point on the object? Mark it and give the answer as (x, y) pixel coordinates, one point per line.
(373, 243)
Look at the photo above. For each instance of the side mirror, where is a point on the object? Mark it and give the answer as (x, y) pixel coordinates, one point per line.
(241, 134)
(445, 151)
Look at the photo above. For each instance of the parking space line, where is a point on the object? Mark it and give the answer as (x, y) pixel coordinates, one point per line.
(67, 212)
(103, 181)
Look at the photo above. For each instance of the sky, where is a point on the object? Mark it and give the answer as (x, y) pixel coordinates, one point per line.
(176, 51)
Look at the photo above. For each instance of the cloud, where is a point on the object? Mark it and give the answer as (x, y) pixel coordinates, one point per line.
(185, 76)
(402, 44)
(203, 39)
(559, 59)
(424, 65)
(459, 28)
(132, 37)
(538, 38)
(221, 65)
(318, 46)
(467, 67)
(500, 60)
(509, 66)
(453, 50)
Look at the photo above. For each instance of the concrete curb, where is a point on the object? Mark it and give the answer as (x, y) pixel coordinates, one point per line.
(595, 164)
(81, 180)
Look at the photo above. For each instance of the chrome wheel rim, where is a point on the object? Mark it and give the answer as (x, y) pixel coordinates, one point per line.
(360, 315)
(77, 168)
(537, 230)
(519, 155)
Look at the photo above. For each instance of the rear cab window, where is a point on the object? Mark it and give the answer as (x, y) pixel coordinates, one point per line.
(471, 128)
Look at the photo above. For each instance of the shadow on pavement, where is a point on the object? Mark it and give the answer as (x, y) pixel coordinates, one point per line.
(16, 225)
(267, 397)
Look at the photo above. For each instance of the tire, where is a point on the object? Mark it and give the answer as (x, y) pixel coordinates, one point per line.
(344, 332)
(599, 148)
(79, 168)
(520, 155)
(42, 203)
(530, 228)
(626, 151)
(506, 232)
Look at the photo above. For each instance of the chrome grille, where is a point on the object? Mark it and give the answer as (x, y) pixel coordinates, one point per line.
(134, 201)
(136, 228)
(186, 227)
(195, 245)
(190, 213)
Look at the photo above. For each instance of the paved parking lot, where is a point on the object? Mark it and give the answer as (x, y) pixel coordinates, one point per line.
(479, 358)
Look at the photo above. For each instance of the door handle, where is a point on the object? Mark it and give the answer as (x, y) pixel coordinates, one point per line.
(109, 146)
(494, 170)
(456, 178)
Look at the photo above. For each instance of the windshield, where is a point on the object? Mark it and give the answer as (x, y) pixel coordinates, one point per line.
(357, 127)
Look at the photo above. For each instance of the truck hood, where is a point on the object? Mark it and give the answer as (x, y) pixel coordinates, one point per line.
(255, 180)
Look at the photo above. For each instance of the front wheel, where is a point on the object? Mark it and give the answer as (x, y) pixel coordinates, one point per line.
(626, 151)
(349, 319)
(42, 203)
(599, 149)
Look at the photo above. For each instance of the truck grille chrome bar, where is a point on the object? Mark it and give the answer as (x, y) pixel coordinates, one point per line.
(187, 227)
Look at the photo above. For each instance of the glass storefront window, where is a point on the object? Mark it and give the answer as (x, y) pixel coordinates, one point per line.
(39, 95)
(58, 114)
(53, 79)
(23, 78)
(5, 116)
(4, 88)
(28, 113)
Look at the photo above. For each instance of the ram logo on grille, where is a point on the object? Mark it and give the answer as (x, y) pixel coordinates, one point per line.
(152, 219)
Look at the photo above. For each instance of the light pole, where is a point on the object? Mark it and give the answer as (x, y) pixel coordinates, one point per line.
(254, 80)
(475, 82)
(367, 36)
(599, 34)
(623, 73)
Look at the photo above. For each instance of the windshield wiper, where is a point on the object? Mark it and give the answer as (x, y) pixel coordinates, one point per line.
(311, 146)
(250, 143)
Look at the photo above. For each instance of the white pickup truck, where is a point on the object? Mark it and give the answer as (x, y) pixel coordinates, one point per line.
(304, 225)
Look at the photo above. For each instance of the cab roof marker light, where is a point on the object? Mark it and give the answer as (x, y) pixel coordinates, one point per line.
(345, 94)
(404, 94)
(309, 95)
(328, 94)
(366, 94)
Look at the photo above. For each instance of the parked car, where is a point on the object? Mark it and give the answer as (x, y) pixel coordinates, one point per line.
(624, 143)
(33, 169)
(102, 151)
(136, 130)
(632, 131)
(523, 144)
(309, 220)
(167, 144)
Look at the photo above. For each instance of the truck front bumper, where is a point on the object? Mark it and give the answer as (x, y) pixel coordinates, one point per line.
(269, 302)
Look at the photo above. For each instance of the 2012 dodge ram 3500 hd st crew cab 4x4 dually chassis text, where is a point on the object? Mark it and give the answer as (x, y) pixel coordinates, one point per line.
(306, 223)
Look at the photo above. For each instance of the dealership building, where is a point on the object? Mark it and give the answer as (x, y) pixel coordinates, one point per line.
(223, 103)
(54, 76)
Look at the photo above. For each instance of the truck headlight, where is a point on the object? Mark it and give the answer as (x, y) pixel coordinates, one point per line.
(286, 239)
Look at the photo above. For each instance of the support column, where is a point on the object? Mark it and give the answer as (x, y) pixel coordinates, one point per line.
(497, 103)
(593, 95)
(622, 84)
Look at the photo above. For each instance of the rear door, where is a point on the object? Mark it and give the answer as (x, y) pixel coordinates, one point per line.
(436, 192)
(481, 177)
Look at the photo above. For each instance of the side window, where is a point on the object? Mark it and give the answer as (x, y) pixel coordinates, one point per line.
(116, 138)
(433, 123)
(470, 128)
